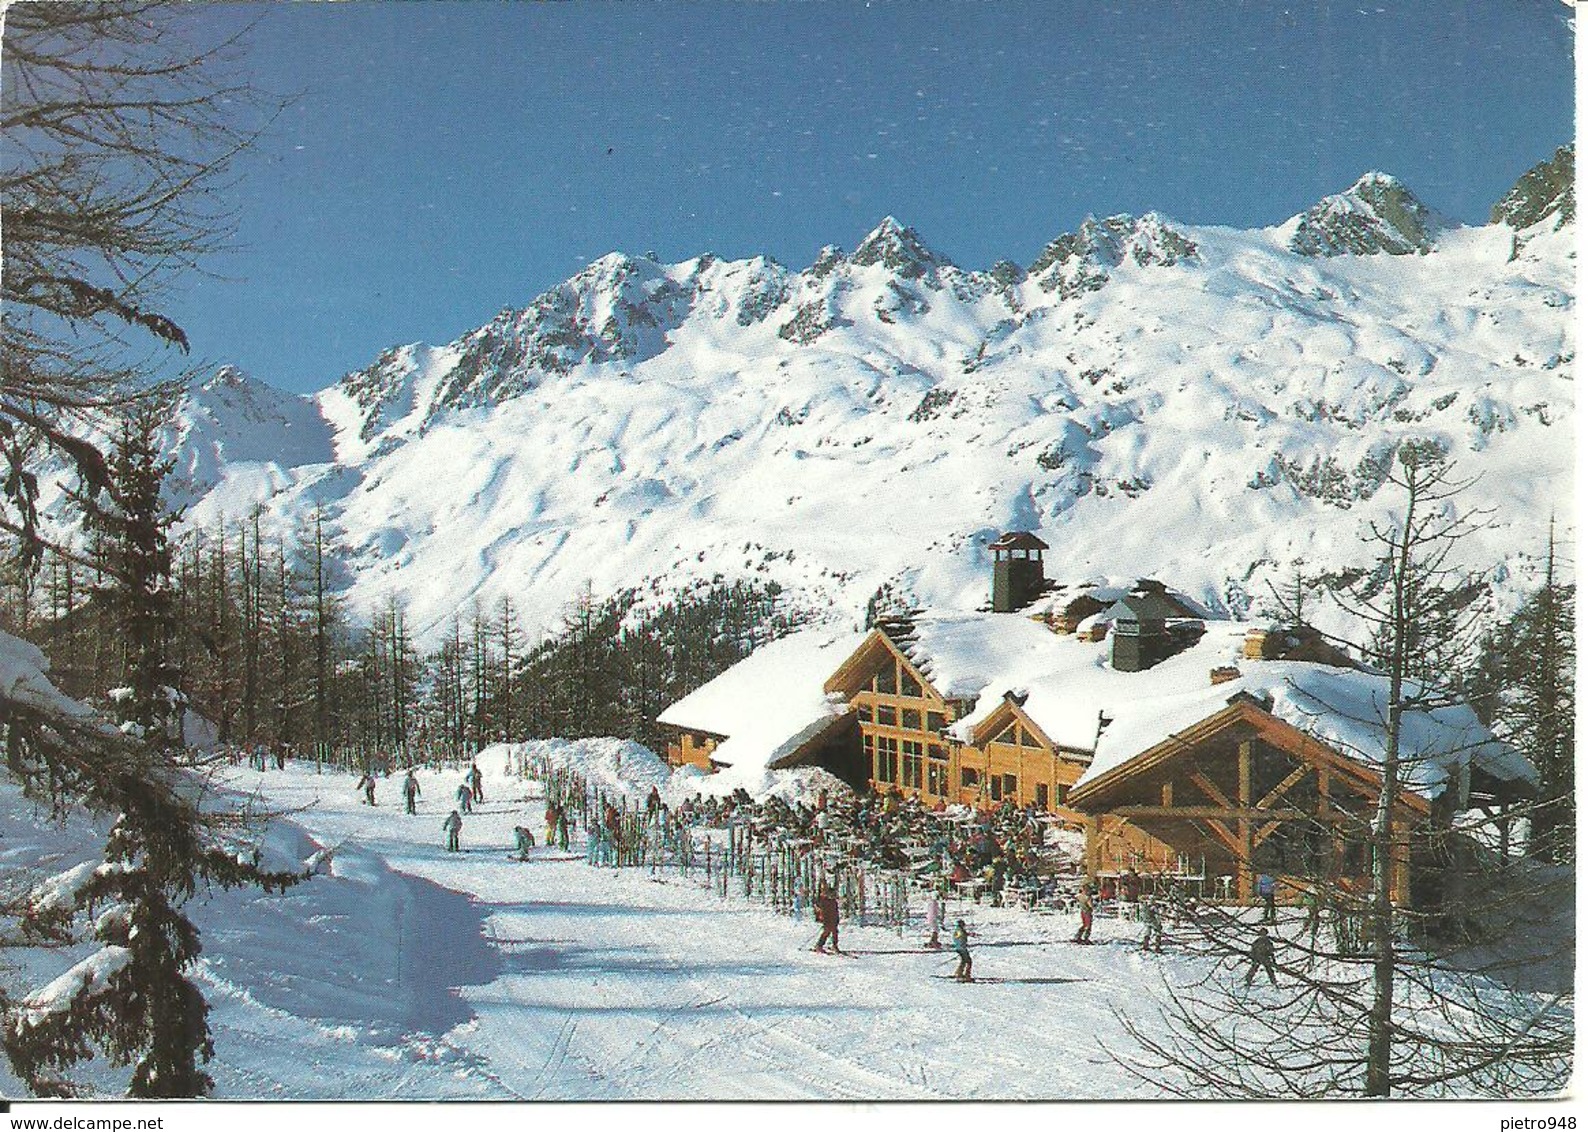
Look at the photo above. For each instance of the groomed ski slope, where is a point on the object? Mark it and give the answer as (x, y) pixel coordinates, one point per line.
(475, 976)
(404, 972)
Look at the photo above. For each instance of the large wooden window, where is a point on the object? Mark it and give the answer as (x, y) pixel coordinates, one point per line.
(908, 685)
(1027, 739)
(887, 682)
(887, 760)
(912, 765)
(910, 719)
(886, 715)
(936, 778)
(935, 721)
(969, 777)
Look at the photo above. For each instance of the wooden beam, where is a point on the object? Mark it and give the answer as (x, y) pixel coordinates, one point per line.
(1222, 832)
(1278, 792)
(1245, 881)
(1219, 813)
(1237, 717)
(1262, 835)
(1211, 790)
(1401, 869)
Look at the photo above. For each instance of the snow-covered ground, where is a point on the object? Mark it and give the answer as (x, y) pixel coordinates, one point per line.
(475, 975)
(406, 972)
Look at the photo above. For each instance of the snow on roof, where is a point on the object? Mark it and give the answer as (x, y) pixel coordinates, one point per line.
(1341, 707)
(964, 653)
(771, 701)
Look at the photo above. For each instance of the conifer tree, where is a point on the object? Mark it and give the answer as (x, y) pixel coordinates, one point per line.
(133, 999)
(1452, 998)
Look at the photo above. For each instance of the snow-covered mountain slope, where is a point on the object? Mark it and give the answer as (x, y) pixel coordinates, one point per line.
(1209, 406)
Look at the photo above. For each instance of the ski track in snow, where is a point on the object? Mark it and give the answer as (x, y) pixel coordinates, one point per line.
(477, 976)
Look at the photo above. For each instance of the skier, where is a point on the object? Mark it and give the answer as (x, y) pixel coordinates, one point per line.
(411, 791)
(562, 829)
(962, 949)
(934, 919)
(1150, 912)
(525, 841)
(453, 826)
(1130, 889)
(476, 782)
(653, 802)
(465, 797)
(367, 784)
(1265, 889)
(1083, 934)
(827, 917)
(1261, 955)
(1311, 900)
(551, 822)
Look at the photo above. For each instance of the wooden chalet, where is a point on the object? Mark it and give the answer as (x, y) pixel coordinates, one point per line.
(908, 742)
(1244, 792)
(1180, 743)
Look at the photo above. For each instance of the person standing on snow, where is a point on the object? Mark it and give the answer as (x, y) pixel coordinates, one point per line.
(1083, 934)
(1265, 889)
(476, 782)
(934, 920)
(411, 791)
(827, 917)
(562, 829)
(525, 841)
(1313, 902)
(465, 797)
(367, 784)
(962, 949)
(551, 822)
(1150, 912)
(1261, 955)
(453, 826)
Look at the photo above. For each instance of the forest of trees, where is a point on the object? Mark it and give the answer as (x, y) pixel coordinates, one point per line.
(267, 655)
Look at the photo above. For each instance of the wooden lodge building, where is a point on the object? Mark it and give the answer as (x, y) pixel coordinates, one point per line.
(1178, 741)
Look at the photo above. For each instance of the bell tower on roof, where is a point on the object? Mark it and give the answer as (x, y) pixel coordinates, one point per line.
(1017, 571)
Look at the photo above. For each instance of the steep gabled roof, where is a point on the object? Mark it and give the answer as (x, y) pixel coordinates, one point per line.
(1245, 715)
(1340, 707)
(789, 691)
(772, 701)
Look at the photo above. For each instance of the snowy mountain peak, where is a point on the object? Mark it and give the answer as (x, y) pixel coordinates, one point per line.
(1080, 261)
(1376, 214)
(228, 377)
(897, 248)
(1543, 191)
(1210, 408)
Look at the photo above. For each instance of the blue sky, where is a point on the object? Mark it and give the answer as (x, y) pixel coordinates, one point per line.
(442, 161)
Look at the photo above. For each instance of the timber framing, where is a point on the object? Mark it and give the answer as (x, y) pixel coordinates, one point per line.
(1252, 793)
